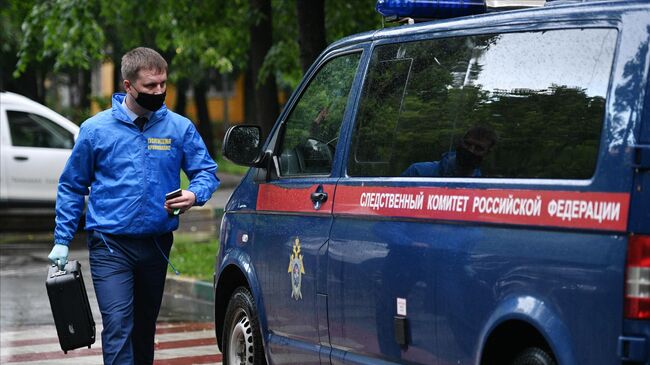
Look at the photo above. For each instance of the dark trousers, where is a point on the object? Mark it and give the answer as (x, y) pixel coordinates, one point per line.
(129, 278)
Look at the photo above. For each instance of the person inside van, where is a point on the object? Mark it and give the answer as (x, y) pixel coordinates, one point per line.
(464, 161)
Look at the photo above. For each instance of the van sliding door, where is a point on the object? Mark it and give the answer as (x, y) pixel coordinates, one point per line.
(476, 183)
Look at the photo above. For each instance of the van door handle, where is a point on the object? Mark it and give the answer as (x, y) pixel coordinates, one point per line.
(21, 158)
(318, 197)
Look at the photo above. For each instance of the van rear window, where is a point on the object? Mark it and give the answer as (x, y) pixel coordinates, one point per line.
(516, 105)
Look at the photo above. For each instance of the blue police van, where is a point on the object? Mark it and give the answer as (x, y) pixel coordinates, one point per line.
(468, 190)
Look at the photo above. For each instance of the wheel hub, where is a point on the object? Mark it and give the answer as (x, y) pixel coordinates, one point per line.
(241, 343)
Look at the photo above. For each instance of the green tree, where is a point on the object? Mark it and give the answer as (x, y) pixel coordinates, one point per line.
(30, 83)
(201, 39)
(311, 30)
(265, 90)
(193, 36)
(342, 18)
(198, 38)
(66, 30)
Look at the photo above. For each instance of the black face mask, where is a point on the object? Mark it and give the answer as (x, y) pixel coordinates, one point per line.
(150, 102)
(467, 159)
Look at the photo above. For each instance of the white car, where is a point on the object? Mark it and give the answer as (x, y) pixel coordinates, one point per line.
(35, 143)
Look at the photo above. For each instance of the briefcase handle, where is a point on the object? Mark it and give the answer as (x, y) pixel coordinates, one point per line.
(69, 266)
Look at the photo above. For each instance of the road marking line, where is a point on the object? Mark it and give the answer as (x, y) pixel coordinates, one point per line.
(191, 360)
(192, 343)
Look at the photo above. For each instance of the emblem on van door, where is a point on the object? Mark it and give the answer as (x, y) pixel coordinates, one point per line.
(296, 269)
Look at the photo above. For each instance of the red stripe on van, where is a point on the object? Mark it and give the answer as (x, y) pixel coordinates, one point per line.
(281, 199)
(600, 211)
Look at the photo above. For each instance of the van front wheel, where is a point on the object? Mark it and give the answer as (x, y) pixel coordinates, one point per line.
(241, 331)
(533, 356)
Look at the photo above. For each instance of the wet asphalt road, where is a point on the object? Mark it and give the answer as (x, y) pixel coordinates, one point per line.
(184, 331)
(23, 300)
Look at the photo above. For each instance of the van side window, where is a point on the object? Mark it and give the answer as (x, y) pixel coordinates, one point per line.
(516, 105)
(312, 128)
(32, 130)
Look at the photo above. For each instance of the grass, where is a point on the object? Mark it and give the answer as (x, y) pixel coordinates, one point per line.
(230, 167)
(185, 182)
(194, 258)
(225, 166)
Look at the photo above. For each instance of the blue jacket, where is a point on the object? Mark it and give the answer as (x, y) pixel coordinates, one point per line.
(446, 167)
(127, 173)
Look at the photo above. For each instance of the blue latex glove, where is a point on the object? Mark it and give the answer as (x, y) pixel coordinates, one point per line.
(59, 255)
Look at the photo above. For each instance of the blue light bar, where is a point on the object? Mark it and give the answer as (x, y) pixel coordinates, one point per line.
(429, 9)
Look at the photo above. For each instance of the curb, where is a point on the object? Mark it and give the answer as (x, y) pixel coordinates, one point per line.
(189, 288)
(177, 286)
(228, 180)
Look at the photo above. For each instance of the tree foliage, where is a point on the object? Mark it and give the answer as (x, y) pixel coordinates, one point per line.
(197, 35)
(198, 38)
(342, 18)
(12, 13)
(65, 30)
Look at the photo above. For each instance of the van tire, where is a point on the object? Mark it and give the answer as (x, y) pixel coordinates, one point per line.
(533, 356)
(242, 340)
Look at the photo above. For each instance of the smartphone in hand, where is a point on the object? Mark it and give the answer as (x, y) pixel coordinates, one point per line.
(174, 194)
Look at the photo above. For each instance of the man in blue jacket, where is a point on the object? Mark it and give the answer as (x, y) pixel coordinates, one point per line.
(465, 161)
(126, 159)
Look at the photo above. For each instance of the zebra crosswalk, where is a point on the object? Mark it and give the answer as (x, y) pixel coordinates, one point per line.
(175, 344)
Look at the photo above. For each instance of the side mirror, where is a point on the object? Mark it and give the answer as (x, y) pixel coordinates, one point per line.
(242, 145)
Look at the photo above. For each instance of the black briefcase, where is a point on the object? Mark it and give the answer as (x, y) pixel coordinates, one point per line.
(70, 307)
